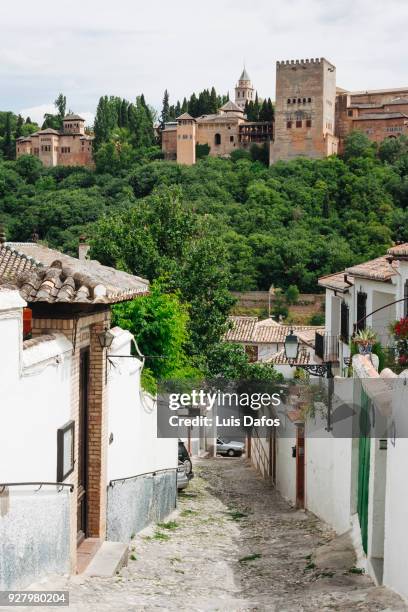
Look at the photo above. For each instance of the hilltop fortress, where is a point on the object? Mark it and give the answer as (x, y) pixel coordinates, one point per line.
(312, 117)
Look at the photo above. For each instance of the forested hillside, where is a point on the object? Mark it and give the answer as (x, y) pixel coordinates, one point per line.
(205, 229)
(287, 224)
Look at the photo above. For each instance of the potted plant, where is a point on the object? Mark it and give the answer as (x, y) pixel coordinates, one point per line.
(399, 329)
(365, 340)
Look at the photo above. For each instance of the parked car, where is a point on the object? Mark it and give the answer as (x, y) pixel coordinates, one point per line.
(230, 449)
(182, 479)
(185, 459)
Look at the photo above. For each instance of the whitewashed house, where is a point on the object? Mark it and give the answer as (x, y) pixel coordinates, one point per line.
(356, 481)
(80, 461)
(264, 341)
(356, 297)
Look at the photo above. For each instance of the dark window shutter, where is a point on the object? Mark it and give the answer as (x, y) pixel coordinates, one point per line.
(344, 322)
(361, 310)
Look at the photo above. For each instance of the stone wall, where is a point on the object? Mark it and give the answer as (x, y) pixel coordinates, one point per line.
(138, 501)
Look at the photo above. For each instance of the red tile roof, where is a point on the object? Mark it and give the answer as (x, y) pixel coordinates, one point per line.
(251, 331)
(45, 275)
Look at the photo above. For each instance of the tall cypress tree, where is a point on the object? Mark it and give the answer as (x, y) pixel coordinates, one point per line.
(165, 114)
(8, 145)
(213, 106)
(19, 126)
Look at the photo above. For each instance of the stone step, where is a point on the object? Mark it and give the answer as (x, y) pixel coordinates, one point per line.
(109, 559)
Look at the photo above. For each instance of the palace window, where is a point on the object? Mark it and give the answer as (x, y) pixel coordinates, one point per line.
(308, 123)
(294, 100)
(350, 113)
(289, 100)
(217, 139)
(288, 125)
(231, 139)
(65, 149)
(309, 100)
(304, 100)
(298, 123)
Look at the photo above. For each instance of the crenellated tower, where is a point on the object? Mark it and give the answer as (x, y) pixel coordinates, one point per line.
(304, 109)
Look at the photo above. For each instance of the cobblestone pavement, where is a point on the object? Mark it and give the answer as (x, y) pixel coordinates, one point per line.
(233, 545)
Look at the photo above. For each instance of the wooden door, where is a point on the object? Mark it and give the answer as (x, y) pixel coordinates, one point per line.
(364, 467)
(300, 466)
(82, 510)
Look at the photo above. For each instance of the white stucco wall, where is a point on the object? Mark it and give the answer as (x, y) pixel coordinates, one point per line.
(135, 448)
(286, 466)
(36, 394)
(328, 480)
(396, 504)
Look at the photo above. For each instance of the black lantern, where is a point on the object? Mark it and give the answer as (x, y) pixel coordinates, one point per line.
(291, 347)
(105, 338)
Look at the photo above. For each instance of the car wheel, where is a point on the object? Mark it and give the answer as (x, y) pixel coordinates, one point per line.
(188, 466)
(230, 453)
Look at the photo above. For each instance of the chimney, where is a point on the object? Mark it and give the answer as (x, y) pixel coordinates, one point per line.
(83, 248)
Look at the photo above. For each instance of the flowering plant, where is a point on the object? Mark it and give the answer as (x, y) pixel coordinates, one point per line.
(399, 329)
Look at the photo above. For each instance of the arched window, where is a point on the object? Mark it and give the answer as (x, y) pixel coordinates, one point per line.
(217, 139)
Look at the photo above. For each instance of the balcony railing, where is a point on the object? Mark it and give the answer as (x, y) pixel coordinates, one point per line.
(327, 347)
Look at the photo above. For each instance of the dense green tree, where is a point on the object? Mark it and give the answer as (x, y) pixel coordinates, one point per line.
(8, 144)
(230, 362)
(165, 114)
(159, 323)
(61, 105)
(292, 294)
(19, 127)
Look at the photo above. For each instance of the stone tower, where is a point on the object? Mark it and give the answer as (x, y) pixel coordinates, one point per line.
(186, 139)
(304, 109)
(244, 92)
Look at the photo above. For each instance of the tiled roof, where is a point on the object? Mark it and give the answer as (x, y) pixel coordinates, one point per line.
(185, 116)
(231, 106)
(335, 281)
(250, 330)
(46, 131)
(280, 358)
(376, 269)
(45, 275)
(244, 76)
(242, 329)
(73, 117)
(400, 250)
(231, 117)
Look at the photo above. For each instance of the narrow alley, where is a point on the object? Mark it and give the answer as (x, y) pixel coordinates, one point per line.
(232, 545)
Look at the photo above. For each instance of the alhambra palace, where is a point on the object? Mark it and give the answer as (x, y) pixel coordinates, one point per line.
(312, 117)
(69, 147)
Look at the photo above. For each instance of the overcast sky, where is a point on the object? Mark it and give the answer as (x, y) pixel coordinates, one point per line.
(89, 48)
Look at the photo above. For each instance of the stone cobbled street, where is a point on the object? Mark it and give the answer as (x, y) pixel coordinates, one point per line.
(233, 544)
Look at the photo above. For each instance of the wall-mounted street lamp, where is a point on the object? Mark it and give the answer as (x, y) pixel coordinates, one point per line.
(323, 370)
(105, 338)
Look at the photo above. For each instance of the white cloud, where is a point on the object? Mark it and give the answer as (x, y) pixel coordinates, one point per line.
(36, 113)
(88, 49)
